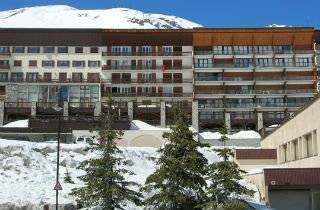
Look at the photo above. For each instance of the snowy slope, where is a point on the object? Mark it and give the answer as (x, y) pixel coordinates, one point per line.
(62, 16)
(249, 134)
(27, 170)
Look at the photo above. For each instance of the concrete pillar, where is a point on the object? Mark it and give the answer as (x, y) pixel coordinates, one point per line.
(33, 108)
(119, 113)
(1, 113)
(163, 114)
(314, 143)
(97, 109)
(227, 121)
(195, 115)
(65, 109)
(260, 121)
(130, 110)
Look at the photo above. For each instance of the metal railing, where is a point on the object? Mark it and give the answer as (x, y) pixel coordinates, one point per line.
(177, 53)
(128, 81)
(147, 94)
(130, 67)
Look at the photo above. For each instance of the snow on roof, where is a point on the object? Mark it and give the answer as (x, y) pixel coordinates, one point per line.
(17, 124)
(239, 135)
(139, 125)
(62, 16)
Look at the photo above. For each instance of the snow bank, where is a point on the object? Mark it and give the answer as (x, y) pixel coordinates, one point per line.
(17, 124)
(140, 125)
(28, 170)
(240, 135)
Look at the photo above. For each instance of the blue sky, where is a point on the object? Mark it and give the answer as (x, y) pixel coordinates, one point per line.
(210, 13)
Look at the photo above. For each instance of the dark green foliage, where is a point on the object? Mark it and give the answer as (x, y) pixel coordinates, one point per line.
(224, 177)
(178, 182)
(67, 178)
(105, 185)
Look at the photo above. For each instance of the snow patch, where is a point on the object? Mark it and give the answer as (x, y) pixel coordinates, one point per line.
(238, 135)
(17, 124)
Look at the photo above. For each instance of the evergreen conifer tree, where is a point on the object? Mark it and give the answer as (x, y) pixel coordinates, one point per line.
(104, 182)
(178, 182)
(224, 178)
(67, 178)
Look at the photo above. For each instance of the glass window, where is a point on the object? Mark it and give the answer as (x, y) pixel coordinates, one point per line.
(78, 50)
(17, 63)
(63, 63)
(18, 49)
(47, 63)
(16, 76)
(303, 62)
(167, 50)
(3, 76)
(203, 63)
(94, 63)
(33, 63)
(94, 50)
(48, 50)
(264, 62)
(222, 50)
(263, 49)
(4, 49)
(62, 49)
(33, 49)
(78, 63)
(283, 49)
(146, 64)
(242, 50)
(146, 50)
(243, 62)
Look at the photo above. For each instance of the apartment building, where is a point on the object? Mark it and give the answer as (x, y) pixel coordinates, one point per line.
(248, 78)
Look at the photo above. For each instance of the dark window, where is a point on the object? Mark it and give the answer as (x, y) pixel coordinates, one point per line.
(4, 49)
(62, 49)
(33, 63)
(78, 63)
(47, 63)
(79, 50)
(18, 49)
(17, 63)
(17, 77)
(48, 50)
(32, 77)
(94, 63)
(94, 50)
(63, 63)
(33, 49)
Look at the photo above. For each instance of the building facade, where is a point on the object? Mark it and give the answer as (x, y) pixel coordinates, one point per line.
(247, 78)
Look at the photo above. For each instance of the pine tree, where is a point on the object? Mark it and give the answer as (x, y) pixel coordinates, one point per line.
(67, 178)
(178, 182)
(104, 182)
(224, 178)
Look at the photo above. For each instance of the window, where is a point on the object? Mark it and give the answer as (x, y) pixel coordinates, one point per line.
(48, 50)
(147, 64)
(303, 62)
(243, 62)
(3, 77)
(76, 77)
(120, 50)
(78, 50)
(17, 63)
(4, 49)
(18, 49)
(203, 63)
(33, 63)
(17, 77)
(167, 50)
(283, 49)
(63, 63)
(295, 150)
(120, 64)
(208, 76)
(62, 49)
(242, 50)
(222, 50)
(94, 63)
(263, 49)
(264, 62)
(33, 49)
(47, 63)
(32, 77)
(78, 63)
(146, 50)
(283, 62)
(94, 50)
(309, 146)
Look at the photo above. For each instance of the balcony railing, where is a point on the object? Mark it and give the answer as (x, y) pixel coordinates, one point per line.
(212, 92)
(148, 94)
(250, 105)
(179, 53)
(5, 66)
(251, 65)
(106, 67)
(276, 78)
(247, 52)
(128, 81)
(36, 80)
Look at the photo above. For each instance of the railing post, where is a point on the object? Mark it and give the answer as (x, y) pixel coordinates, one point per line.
(33, 108)
(227, 121)
(1, 113)
(195, 115)
(130, 110)
(163, 114)
(65, 110)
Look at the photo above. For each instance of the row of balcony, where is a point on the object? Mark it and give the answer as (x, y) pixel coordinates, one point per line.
(249, 52)
(213, 92)
(164, 80)
(231, 65)
(250, 105)
(44, 80)
(222, 79)
(129, 67)
(142, 94)
(175, 53)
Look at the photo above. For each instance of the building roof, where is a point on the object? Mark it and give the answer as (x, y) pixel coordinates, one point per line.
(247, 154)
(292, 176)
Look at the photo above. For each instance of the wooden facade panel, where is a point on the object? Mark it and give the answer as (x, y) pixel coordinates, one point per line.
(238, 74)
(300, 87)
(208, 88)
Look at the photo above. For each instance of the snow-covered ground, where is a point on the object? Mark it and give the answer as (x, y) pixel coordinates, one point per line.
(17, 124)
(62, 16)
(249, 134)
(28, 170)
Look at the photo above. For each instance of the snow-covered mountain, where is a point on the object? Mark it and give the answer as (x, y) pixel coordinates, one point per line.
(61, 16)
